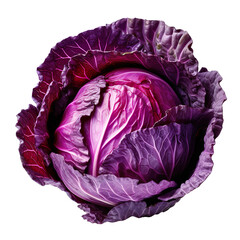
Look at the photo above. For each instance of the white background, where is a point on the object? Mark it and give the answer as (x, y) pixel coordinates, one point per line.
(28, 30)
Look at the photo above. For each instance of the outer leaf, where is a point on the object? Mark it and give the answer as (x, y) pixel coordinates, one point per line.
(106, 190)
(201, 171)
(41, 128)
(153, 154)
(137, 209)
(68, 138)
(172, 44)
(125, 35)
(104, 38)
(32, 158)
(201, 167)
(200, 117)
(215, 96)
(124, 211)
(188, 87)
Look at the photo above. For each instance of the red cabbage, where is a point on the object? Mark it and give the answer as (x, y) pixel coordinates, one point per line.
(125, 122)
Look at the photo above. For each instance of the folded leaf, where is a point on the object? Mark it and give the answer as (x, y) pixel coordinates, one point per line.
(215, 96)
(87, 66)
(153, 154)
(106, 190)
(105, 38)
(68, 138)
(123, 211)
(32, 158)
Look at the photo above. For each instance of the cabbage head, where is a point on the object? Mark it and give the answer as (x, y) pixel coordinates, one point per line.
(124, 122)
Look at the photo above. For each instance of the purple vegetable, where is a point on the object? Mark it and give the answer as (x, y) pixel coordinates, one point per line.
(125, 122)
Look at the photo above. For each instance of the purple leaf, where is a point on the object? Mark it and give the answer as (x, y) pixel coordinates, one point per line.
(201, 171)
(200, 117)
(105, 38)
(215, 96)
(84, 67)
(68, 138)
(106, 190)
(136, 209)
(32, 158)
(152, 154)
(159, 93)
(123, 110)
(41, 128)
(96, 214)
(174, 45)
